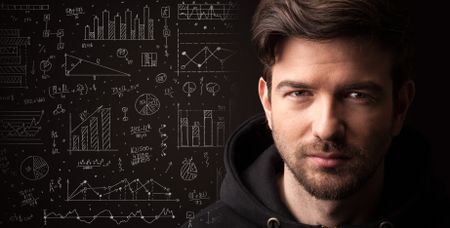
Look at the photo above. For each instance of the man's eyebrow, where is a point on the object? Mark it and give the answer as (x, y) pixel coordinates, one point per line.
(370, 86)
(292, 84)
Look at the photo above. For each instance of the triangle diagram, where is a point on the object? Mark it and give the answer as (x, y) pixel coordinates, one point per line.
(192, 168)
(75, 66)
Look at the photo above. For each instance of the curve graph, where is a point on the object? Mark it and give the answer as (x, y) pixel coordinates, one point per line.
(124, 190)
(107, 214)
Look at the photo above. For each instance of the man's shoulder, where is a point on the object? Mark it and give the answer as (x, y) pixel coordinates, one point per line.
(218, 214)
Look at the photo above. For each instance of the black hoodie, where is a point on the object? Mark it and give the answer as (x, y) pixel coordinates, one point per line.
(249, 195)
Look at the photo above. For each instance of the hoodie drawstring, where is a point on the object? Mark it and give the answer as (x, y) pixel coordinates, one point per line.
(386, 224)
(273, 223)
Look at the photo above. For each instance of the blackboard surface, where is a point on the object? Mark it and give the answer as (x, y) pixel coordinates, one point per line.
(114, 113)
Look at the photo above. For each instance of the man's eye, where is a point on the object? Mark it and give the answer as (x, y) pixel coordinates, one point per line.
(357, 95)
(360, 96)
(300, 93)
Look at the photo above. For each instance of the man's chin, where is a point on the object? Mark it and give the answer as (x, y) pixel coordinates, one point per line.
(329, 184)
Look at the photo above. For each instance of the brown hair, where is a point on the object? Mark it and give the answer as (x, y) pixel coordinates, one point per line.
(387, 22)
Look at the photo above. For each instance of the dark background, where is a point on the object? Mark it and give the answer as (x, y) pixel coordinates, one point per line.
(429, 112)
(45, 179)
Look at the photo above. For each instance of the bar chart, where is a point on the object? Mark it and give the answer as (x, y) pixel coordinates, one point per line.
(13, 59)
(201, 128)
(93, 133)
(117, 28)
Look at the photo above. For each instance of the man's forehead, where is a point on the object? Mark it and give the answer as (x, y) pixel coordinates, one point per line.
(331, 65)
(334, 49)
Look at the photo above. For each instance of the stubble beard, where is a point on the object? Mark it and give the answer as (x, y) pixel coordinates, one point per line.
(332, 183)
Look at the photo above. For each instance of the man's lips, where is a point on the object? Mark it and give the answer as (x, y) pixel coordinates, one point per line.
(329, 160)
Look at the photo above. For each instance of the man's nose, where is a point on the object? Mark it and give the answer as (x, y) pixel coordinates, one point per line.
(328, 123)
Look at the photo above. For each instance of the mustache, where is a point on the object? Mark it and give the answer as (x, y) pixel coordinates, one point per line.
(326, 147)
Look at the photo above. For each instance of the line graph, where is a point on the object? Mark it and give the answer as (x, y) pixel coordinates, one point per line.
(20, 127)
(107, 214)
(228, 11)
(213, 54)
(124, 190)
(202, 57)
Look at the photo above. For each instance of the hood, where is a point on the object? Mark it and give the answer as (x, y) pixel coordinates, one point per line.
(252, 164)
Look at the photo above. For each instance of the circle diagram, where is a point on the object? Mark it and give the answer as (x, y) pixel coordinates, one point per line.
(188, 171)
(34, 168)
(45, 65)
(147, 104)
(213, 88)
(161, 78)
(189, 87)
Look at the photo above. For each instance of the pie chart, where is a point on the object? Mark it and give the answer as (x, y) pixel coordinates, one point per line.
(147, 104)
(189, 87)
(34, 168)
(188, 171)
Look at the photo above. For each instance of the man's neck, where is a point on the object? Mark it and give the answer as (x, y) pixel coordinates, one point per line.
(356, 209)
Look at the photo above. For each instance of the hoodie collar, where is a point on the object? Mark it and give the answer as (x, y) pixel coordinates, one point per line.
(253, 165)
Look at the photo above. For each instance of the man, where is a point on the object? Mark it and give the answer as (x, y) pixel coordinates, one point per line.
(335, 90)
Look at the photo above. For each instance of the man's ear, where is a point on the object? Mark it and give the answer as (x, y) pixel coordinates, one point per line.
(404, 99)
(263, 91)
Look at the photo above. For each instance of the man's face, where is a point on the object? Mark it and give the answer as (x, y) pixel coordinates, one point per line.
(331, 112)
